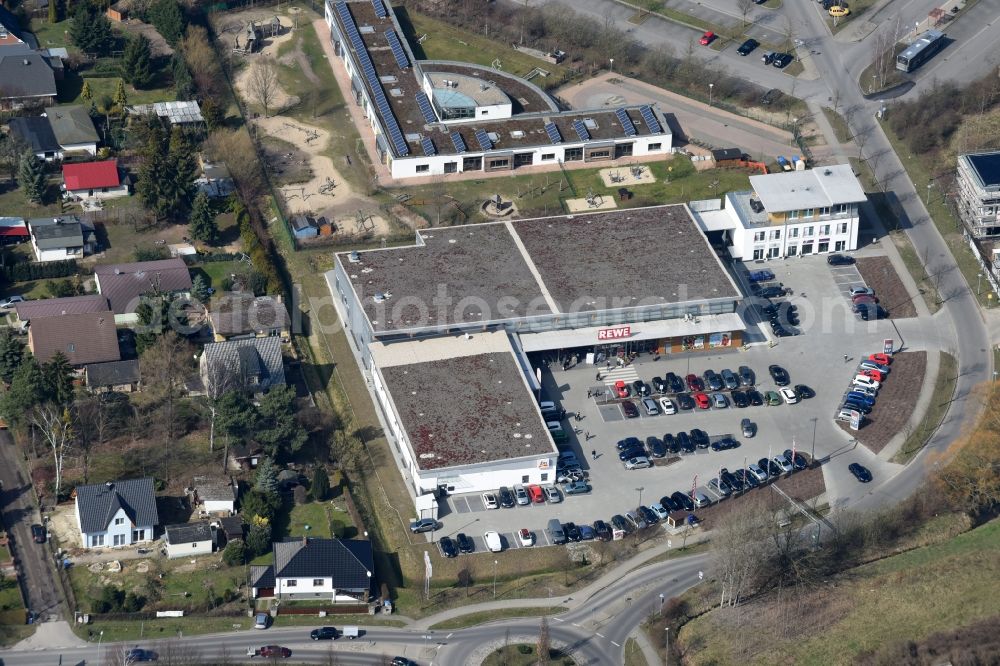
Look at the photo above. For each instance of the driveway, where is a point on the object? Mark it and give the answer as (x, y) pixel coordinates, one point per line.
(34, 560)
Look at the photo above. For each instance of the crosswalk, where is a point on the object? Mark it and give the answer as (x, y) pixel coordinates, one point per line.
(626, 374)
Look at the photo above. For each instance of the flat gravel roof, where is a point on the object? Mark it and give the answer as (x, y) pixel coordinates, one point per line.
(626, 258)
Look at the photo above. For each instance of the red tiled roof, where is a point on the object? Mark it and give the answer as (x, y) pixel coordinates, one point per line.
(91, 175)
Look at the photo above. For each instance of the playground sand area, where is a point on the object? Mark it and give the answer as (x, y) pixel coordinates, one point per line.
(636, 174)
(600, 202)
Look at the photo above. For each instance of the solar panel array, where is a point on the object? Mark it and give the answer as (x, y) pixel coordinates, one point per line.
(553, 132)
(626, 122)
(581, 130)
(425, 107)
(391, 125)
(397, 49)
(650, 118)
(379, 8)
(459, 142)
(484, 140)
(428, 146)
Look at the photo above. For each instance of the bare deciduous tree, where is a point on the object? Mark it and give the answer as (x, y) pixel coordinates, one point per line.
(56, 425)
(741, 554)
(745, 7)
(263, 84)
(544, 641)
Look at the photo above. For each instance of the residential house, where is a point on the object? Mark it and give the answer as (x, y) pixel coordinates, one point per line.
(13, 230)
(57, 307)
(119, 376)
(304, 226)
(85, 338)
(215, 495)
(977, 183)
(94, 180)
(250, 364)
(124, 284)
(239, 315)
(215, 179)
(61, 238)
(795, 213)
(27, 78)
(74, 129)
(325, 570)
(189, 539)
(116, 513)
(36, 132)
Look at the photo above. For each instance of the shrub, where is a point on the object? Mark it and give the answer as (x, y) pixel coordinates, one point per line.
(235, 553)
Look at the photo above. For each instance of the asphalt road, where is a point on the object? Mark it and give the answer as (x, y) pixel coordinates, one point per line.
(19, 513)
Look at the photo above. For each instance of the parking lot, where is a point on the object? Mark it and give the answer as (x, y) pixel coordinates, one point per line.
(829, 331)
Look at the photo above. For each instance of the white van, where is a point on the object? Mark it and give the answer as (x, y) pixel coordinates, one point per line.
(866, 381)
(493, 542)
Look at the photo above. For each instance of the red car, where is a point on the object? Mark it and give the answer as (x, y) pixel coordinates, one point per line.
(275, 651)
(701, 400)
(874, 374)
(881, 359)
(536, 494)
(694, 383)
(621, 388)
(707, 38)
(864, 298)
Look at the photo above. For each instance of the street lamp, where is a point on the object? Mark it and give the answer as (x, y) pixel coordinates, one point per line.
(661, 604)
(666, 646)
(99, 646)
(639, 490)
(927, 199)
(495, 563)
(979, 283)
(612, 61)
(710, 86)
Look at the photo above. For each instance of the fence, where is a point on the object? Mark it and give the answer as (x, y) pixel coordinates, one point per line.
(346, 609)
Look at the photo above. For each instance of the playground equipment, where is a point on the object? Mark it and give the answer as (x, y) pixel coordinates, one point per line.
(495, 206)
(594, 200)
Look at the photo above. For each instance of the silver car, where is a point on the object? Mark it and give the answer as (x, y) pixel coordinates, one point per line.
(552, 494)
(521, 495)
(719, 401)
(640, 462)
(749, 428)
(650, 406)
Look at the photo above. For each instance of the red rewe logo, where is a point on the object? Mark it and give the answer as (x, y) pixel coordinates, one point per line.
(614, 333)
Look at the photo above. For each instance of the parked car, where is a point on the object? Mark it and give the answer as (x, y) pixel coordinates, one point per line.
(757, 472)
(768, 58)
(789, 395)
(619, 523)
(782, 464)
(10, 301)
(748, 428)
(725, 444)
(674, 383)
(685, 442)
(621, 389)
(493, 542)
(587, 533)
(872, 365)
(797, 460)
(694, 383)
(881, 359)
(656, 447)
(572, 531)
(685, 402)
(659, 510)
(659, 385)
(699, 438)
(602, 530)
(526, 537)
(772, 291)
(630, 410)
(839, 260)
(701, 400)
(641, 388)
(38, 533)
(490, 501)
(747, 47)
(402, 661)
(521, 495)
(713, 381)
(639, 462)
(648, 515)
(860, 472)
(139, 654)
(779, 375)
(683, 500)
(804, 392)
(667, 406)
(740, 400)
(747, 377)
(465, 543)
(668, 504)
(868, 312)
(553, 495)
(506, 497)
(261, 621)
(772, 398)
(425, 525)
(652, 409)
(769, 466)
(635, 520)
(628, 443)
(701, 500)
(448, 546)
(858, 396)
(578, 487)
(720, 487)
(782, 60)
(719, 401)
(747, 479)
(707, 38)
(861, 290)
(671, 443)
(874, 374)
(755, 398)
(536, 494)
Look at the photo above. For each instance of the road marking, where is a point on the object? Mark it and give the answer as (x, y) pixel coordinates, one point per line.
(615, 644)
(558, 619)
(599, 634)
(576, 624)
(450, 635)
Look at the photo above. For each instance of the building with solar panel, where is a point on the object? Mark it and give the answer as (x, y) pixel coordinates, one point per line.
(436, 117)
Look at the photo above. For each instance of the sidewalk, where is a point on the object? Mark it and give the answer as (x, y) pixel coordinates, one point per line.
(51, 636)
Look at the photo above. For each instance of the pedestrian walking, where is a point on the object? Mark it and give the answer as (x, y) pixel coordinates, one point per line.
(607, 365)
(845, 358)
(590, 393)
(593, 454)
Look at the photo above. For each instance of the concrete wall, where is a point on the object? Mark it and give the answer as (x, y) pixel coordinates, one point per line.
(189, 549)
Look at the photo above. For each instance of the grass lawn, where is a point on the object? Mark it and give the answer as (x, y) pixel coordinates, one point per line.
(944, 389)
(54, 35)
(217, 271)
(840, 128)
(447, 42)
(920, 172)
(913, 595)
(524, 654)
(71, 87)
(472, 619)
(318, 516)
(633, 654)
(10, 595)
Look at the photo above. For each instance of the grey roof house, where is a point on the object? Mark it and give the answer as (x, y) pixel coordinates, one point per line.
(123, 284)
(61, 238)
(189, 539)
(27, 78)
(253, 364)
(55, 307)
(73, 128)
(121, 376)
(90, 337)
(243, 315)
(116, 513)
(328, 570)
(37, 133)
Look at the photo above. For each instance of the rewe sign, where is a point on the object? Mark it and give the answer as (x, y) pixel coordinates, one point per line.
(614, 333)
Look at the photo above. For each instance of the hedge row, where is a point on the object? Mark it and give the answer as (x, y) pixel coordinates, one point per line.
(24, 272)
